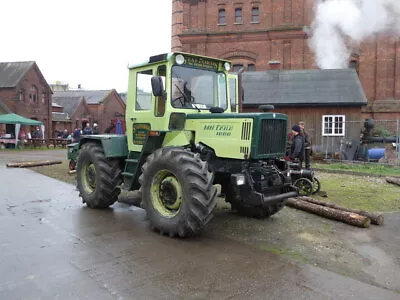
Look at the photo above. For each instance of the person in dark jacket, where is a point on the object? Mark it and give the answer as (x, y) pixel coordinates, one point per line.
(76, 135)
(96, 129)
(297, 147)
(87, 130)
(307, 145)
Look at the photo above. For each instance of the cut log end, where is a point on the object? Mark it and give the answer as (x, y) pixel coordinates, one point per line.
(375, 218)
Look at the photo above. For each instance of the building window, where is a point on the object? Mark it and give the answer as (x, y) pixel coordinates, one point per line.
(333, 125)
(237, 67)
(33, 94)
(251, 67)
(238, 16)
(43, 98)
(221, 17)
(255, 15)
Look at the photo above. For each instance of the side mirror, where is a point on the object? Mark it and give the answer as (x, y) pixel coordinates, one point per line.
(157, 86)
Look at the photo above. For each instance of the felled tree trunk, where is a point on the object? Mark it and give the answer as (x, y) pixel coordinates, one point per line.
(30, 164)
(330, 213)
(393, 180)
(375, 219)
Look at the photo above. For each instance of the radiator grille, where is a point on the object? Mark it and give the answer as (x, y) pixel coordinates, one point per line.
(246, 131)
(272, 137)
(244, 150)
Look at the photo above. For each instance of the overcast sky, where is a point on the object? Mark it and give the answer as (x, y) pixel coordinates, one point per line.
(85, 42)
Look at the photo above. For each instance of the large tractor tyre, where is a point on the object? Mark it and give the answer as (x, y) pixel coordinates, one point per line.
(98, 178)
(177, 191)
(259, 212)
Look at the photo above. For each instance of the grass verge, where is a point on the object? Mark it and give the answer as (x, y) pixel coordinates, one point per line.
(364, 168)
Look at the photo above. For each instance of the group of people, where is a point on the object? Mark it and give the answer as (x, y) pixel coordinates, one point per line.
(87, 130)
(299, 145)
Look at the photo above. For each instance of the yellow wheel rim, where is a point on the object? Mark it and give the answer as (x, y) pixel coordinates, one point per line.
(89, 177)
(166, 193)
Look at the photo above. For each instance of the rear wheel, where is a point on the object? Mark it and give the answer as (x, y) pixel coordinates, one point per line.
(177, 191)
(251, 211)
(97, 177)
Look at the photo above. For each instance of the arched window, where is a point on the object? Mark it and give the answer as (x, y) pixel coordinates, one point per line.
(251, 67)
(237, 67)
(33, 94)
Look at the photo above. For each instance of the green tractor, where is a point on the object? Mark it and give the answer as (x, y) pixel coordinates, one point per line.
(184, 136)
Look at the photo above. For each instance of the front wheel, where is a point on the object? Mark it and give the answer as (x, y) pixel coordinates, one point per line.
(97, 177)
(177, 191)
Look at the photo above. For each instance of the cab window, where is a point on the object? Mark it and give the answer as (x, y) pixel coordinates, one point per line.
(143, 90)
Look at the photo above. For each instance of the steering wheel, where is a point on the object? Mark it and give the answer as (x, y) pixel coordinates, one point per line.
(184, 97)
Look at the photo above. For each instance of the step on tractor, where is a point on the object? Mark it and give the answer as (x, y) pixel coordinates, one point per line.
(184, 136)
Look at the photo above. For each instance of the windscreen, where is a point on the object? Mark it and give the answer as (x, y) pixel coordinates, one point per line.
(198, 88)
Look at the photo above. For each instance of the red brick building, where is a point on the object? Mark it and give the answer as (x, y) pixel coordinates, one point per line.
(74, 108)
(264, 34)
(24, 91)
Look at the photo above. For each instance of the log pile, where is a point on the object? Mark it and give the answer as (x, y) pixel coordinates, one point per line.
(332, 211)
(30, 164)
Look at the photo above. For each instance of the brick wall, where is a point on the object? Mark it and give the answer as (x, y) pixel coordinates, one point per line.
(81, 115)
(26, 107)
(108, 110)
(278, 36)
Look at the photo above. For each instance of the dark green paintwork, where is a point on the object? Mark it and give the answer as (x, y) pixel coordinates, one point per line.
(114, 145)
(72, 151)
(237, 116)
(255, 138)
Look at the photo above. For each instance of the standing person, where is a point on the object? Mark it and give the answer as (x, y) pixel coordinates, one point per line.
(37, 134)
(307, 145)
(297, 147)
(87, 130)
(76, 135)
(96, 129)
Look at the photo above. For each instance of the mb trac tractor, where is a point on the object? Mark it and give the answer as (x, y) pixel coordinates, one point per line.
(184, 135)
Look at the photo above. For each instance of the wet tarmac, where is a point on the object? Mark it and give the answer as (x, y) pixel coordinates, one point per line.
(53, 247)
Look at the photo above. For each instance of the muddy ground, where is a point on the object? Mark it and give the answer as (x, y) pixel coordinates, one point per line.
(370, 255)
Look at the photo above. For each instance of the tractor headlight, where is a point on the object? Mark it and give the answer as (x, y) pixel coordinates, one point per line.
(238, 179)
(179, 59)
(227, 66)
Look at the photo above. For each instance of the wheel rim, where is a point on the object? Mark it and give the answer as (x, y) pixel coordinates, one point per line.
(316, 185)
(305, 186)
(166, 194)
(89, 177)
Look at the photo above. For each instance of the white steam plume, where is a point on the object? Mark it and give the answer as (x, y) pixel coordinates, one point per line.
(341, 23)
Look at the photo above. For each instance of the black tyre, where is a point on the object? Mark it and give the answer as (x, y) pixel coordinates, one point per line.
(316, 185)
(259, 212)
(177, 191)
(98, 178)
(305, 186)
